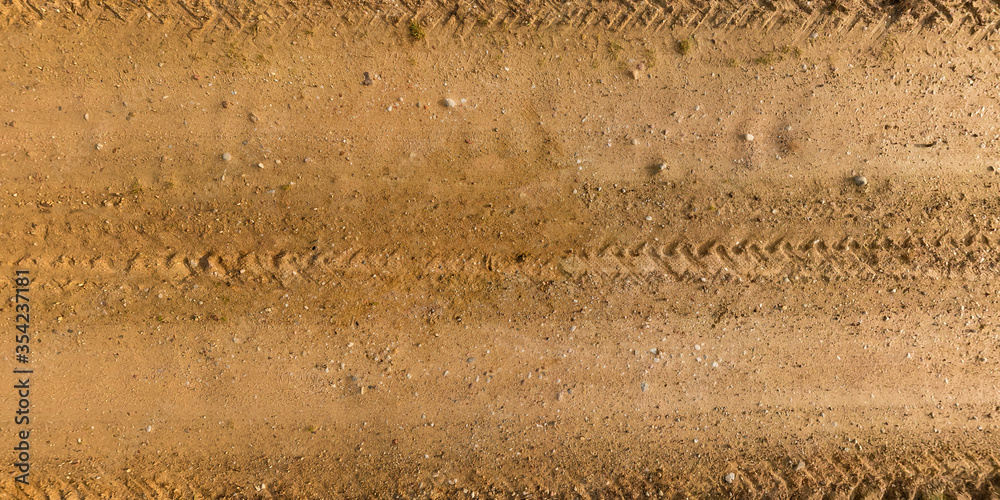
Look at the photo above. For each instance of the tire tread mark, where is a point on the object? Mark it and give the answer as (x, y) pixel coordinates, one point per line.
(830, 474)
(232, 19)
(971, 256)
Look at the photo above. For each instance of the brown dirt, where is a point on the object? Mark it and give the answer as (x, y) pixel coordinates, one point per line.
(381, 296)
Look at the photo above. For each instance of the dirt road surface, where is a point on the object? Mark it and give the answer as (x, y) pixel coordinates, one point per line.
(464, 250)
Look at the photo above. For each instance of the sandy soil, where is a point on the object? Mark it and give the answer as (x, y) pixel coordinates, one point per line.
(270, 260)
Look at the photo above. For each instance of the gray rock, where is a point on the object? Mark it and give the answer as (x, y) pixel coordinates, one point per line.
(227, 156)
(730, 478)
(859, 180)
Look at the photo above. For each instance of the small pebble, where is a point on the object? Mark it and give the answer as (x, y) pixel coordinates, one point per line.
(800, 466)
(367, 81)
(859, 180)
(449, 103)
(748, 137)
(814, 36)
(98, 146)
(649, 218)
(661, 167)
(227, 156)
(260, 165)
(730, 478)
(253, 118)
(635, 74)
(644, 386)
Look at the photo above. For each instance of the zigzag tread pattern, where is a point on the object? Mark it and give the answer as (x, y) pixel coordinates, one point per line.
(208, 20)
(972, 256)
(839, 475)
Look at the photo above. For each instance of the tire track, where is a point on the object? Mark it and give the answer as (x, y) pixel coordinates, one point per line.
(836, 475)
(969, 257)
(973, 256)
(279, 19)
